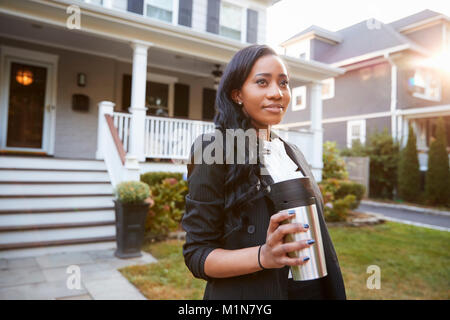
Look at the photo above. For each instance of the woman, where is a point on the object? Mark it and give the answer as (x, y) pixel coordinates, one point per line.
(234, 239)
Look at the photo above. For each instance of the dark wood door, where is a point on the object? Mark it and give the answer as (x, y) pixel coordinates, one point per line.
(26, 106)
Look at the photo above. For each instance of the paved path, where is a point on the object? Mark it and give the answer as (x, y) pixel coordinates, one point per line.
(51, 277)
(434, 221)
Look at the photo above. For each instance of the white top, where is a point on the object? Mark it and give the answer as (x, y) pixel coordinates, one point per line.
(279, 165)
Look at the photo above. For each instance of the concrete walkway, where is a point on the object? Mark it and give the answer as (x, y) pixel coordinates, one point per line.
(90, 275)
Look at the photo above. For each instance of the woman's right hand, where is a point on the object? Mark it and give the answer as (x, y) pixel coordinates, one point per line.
(274, 251)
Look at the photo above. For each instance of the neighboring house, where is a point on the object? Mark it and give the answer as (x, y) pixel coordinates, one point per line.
(97, 90)
(396, 74)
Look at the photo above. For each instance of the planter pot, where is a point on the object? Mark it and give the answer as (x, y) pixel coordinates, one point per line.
(130, 227)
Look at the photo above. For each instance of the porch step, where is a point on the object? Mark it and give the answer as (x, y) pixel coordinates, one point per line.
(50, 163)
(28, 238)
(54, 205)
(27, 220)
(24, 189)
(51, 203)
(27, 175)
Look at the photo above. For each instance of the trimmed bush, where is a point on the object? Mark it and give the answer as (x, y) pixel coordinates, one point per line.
(338, 210)
(347, 187)
(132, 192)
(437, 181)
(409, 172)
(153, 178)
(168, 192)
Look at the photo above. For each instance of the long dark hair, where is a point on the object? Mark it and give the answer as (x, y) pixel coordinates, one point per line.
(241, 179)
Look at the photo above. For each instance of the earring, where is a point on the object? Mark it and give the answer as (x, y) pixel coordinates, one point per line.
(240, 103)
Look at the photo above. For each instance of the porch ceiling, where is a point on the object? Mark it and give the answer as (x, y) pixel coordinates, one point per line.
(110, 32)
(54, 36)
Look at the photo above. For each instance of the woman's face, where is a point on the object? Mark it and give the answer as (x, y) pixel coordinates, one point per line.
(265, 94)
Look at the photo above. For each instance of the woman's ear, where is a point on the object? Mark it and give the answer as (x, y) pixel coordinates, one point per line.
(236, 96)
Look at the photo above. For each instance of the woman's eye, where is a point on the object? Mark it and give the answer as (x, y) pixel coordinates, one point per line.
(284, 83)
(261, 81)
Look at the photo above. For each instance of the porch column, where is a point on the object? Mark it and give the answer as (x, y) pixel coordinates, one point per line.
(316, 128)
(104, 107)
(137, 108)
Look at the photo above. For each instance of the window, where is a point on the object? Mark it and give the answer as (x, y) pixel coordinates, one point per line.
(356, 130)
(230, 21)
(120, 4)
(328, 89)
(426, 85)
(98, 2)
(299, 98)
(160, 9)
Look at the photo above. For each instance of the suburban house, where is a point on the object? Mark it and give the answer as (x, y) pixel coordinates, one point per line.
(396, 74)
(96, 92)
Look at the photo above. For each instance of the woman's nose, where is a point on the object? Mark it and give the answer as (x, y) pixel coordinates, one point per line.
(274, 92)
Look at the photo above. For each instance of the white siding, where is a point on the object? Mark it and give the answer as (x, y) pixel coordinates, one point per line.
(199, 11)
(262, 22)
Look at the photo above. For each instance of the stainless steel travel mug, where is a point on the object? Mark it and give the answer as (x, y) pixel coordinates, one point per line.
(297, 196)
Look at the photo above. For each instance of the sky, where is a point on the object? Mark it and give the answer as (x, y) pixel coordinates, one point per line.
(289, 17)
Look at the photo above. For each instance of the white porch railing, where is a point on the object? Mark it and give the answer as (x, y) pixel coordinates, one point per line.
(122, 121)
(169, 138)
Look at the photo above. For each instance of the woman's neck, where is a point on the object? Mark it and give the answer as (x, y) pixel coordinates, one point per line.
(264, 133)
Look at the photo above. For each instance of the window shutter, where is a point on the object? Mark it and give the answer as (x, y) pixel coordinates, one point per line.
(213, 16)
(252, 26)
(181, 103)
(185, 13)
(126, 92)
(136, 6)
(208, 106)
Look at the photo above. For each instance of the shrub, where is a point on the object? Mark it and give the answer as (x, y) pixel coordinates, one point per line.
(383, 153)
(408, 171)
(437, 182)
(153, 178)
(333, 164)
(338, 209)
(347, 187)
(132, 192)
(169, 203)
(339, 197)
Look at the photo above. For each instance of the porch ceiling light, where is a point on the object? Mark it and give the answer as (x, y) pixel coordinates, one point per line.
(24, 77)
(217, 74)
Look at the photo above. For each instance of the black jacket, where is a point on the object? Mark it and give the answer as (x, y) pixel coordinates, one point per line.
(208, 227)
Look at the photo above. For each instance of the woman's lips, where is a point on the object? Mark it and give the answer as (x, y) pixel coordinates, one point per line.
(274, 108)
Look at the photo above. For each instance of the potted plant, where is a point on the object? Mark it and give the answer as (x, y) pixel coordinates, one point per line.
(131, 207)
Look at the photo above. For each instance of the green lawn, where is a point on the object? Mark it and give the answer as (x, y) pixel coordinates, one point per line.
(414, 264)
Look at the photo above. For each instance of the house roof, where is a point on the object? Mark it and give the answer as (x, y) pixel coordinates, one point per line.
(366, 37)
(316, 30)
(415, 18)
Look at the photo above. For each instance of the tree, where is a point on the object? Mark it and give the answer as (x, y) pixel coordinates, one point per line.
(333, 164)
(437, 181)
(408, 171)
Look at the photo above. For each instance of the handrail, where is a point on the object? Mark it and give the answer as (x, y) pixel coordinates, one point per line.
(115, 136)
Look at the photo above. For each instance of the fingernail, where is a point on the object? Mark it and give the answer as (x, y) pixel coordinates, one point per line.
(306, 259)
(310, 241)
(291, 211)
(306, 226)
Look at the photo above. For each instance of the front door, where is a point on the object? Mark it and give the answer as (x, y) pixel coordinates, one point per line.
(27, 108)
